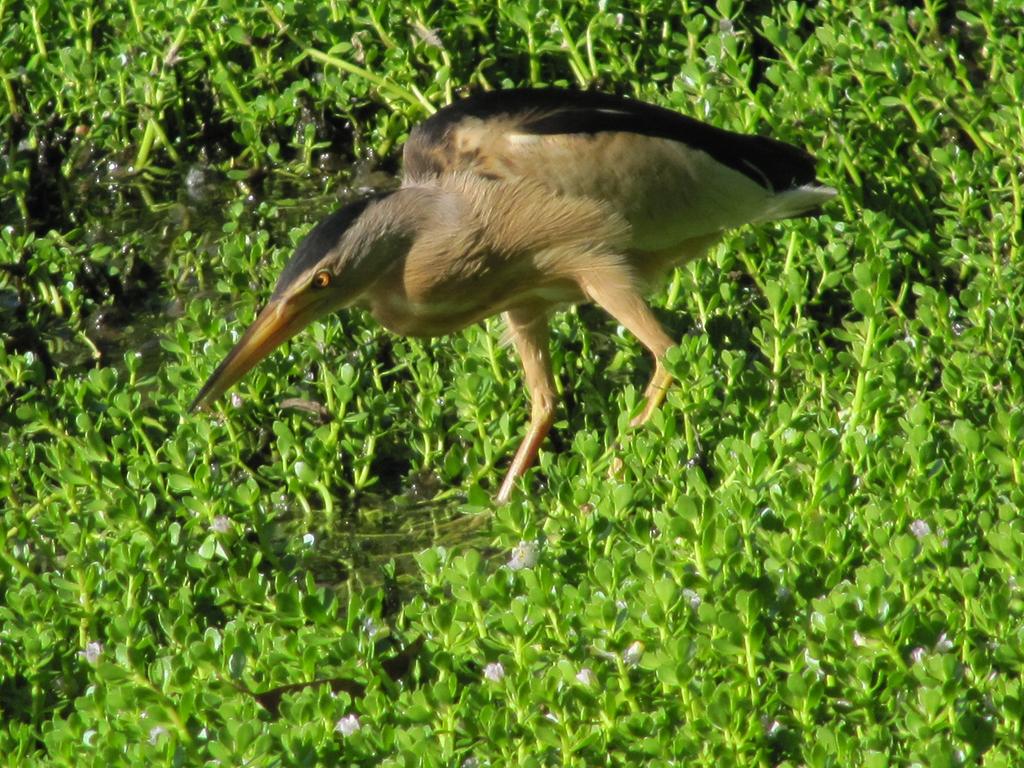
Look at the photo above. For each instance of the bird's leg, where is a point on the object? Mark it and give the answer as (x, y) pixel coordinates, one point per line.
(654, 395)
(614, 293)
(530, 334)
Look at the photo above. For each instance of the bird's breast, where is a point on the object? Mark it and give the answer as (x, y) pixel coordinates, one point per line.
(440, 316)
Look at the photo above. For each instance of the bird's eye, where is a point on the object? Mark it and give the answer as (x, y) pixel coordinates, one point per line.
(322, 279)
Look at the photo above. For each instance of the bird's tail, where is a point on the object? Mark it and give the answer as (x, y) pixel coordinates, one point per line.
(799, 201)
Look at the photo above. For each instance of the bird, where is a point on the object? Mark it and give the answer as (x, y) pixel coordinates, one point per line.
(522, 202)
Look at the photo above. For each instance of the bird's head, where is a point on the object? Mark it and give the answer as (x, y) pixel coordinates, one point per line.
(335, 263)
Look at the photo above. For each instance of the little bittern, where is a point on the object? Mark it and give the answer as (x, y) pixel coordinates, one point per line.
(524, 201)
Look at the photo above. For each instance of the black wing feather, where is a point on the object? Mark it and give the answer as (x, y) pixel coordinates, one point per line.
(773, 164)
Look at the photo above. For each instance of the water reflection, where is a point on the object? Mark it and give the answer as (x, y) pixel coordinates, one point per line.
(140, 252)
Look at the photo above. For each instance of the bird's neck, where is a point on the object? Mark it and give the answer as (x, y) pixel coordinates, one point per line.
(408, 212)
(383, 235)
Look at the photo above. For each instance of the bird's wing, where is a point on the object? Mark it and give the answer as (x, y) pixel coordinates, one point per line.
(670, 176)
(464, 135)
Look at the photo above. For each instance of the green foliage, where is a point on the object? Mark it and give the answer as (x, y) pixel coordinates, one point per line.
(811, 556)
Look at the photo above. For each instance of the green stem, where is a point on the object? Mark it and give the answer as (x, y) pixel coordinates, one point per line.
(153, 129)
(379, 29)
(38, 30)
(591, 58)
(579, 67)
(325, 495)
(410, 97)
(164, 141)
(168, 705)
(915, 116)
(148, 140)
(790, 253)
(531, 52)
(752, 271)
(862, 373)
(136, 18)
(22, 570)
(12, 99)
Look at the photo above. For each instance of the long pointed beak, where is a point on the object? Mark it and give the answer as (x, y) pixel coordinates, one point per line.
(278, 322)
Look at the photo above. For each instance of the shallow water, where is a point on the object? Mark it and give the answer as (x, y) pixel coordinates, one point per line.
(150, 244)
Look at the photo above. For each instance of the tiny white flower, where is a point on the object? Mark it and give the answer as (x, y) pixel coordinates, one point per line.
(308, 539)
(347, 725)
(920, 529)
(236, 400)
(692, 598)
(632, 655)
(859, 640)
(770, 726)
(92, 652)
(221, 524)
(917, 655)
(427, 35)
(524, 555)
(494, 672)
(586, 677)
(155, 733)
(943, 644)
(370, 627)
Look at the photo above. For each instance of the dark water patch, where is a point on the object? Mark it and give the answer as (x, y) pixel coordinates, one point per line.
(372, 539)
(127, 255)
(131, 256)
